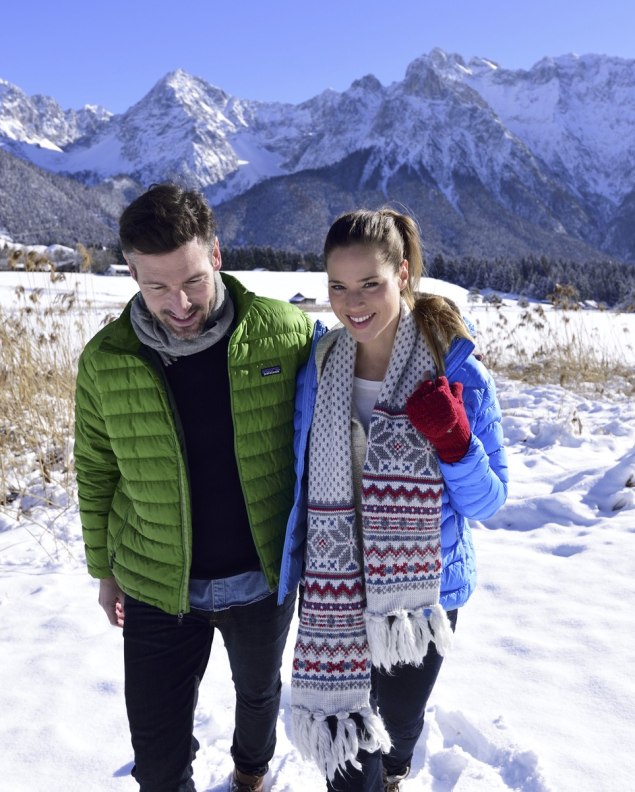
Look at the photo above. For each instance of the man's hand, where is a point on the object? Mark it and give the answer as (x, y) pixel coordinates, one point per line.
(111, 600)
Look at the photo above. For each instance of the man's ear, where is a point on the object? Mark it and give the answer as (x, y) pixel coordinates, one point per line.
(127, 257)
(217, 260)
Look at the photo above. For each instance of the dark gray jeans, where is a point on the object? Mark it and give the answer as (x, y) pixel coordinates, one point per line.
(165, 660)
(401, 697)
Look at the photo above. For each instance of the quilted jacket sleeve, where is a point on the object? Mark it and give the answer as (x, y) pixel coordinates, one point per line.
(96, 469)
(477, 484)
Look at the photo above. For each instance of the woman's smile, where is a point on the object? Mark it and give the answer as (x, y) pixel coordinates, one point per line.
(360, 321)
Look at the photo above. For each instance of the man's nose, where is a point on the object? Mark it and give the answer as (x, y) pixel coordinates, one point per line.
(179, 301)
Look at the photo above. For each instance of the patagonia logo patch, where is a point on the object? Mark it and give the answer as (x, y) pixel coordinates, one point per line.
(267, 372)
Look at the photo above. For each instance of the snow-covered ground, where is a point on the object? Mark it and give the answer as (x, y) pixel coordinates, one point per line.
(539, 691)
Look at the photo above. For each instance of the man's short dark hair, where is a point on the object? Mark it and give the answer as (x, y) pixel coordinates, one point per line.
(164, 218)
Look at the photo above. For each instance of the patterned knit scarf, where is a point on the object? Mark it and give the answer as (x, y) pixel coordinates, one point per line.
(371, 589)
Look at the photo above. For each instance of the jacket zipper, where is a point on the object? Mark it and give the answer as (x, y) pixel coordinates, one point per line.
(184, 596)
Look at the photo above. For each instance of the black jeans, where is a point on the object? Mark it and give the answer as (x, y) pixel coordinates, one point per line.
(165, 660)
(401, 698)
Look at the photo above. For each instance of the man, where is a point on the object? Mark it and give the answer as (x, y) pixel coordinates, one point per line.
(184, 459)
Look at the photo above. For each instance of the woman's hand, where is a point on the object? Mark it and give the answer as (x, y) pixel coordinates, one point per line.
(436, 410)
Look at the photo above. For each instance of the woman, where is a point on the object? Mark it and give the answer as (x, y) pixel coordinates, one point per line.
(405, 446)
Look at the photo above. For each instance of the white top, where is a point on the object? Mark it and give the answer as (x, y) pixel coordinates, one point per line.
(365, 393)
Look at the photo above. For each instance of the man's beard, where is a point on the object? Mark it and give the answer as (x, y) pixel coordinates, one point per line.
(199, 316)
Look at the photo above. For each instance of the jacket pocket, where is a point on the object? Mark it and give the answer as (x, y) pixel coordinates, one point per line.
(116, 538)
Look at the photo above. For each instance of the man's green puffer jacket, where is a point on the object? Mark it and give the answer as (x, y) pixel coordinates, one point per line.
(131, 470)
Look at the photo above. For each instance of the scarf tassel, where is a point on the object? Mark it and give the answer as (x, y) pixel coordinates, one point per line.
(441, 628)
(403, 637)
(331, 752)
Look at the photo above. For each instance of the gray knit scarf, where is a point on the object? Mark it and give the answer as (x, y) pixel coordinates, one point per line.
(154, 334)
(371, 590)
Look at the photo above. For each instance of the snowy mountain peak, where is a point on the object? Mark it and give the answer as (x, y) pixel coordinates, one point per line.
(424, 79)
(552, 145)
(482, 64)
(40, 121)
(368, 83)
(182, 87)
(447, 63)
(576, 113)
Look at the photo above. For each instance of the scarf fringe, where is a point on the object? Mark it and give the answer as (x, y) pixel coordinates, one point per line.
(332, 752)
(403, 637)
(440, 624)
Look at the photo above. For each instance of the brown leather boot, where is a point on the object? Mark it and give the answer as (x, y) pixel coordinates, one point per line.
(241, 782)
(391, 782)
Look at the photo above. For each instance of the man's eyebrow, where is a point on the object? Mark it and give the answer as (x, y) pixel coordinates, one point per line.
(151, 282)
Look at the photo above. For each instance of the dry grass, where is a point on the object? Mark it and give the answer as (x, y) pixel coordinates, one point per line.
(39, 339)
(566, 352)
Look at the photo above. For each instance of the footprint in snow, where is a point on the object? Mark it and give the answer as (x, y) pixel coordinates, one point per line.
(458, 755)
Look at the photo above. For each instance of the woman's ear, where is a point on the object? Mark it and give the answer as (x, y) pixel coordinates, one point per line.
(403, 274)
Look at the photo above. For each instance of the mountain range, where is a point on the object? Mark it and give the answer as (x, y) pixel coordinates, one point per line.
(491, 162)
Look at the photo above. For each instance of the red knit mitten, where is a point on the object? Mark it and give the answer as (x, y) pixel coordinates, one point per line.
(436, 410)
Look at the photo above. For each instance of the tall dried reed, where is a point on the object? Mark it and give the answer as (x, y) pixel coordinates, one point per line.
(41, 333)
(558, 346)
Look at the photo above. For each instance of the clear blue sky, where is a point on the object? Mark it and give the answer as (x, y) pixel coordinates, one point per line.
(111, 52)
